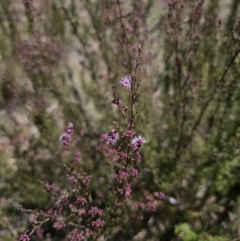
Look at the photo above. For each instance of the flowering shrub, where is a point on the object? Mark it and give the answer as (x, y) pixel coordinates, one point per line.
(74, 208)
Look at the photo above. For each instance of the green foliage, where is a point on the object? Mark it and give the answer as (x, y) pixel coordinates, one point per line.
(185, 233)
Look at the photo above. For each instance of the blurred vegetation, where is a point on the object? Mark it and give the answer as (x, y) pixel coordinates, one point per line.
(59, 60)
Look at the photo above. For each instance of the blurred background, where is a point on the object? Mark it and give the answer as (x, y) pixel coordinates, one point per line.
(59, 60)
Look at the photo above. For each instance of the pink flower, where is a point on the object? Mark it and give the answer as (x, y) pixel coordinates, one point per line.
(24, 237)
(137, 142)
(126, 82)
(134, 172)
(159, 195)
(65, 138)
(128, 190)
(117, 101)
(98, 223)
(122, 176)
(49, 187)
(113, 137)
(60, 225)
(95, 210)
(75, 236)
(70, 129)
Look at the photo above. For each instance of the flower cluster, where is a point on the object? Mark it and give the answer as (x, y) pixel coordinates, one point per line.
(77, 155)
(24, 237)
(124, 108)
(134, 172)
(98, 223)
(129, 133)
(60, 225)
(83, 179)
(81, 201)
(128, 190)
(66, 136)
(65, 139)
(121, 176)
(113, 137)
(137, 142)
(159, 195)
(77, 204)
(75, 236)
(49, 187)
(95, 211)
(116, 101)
